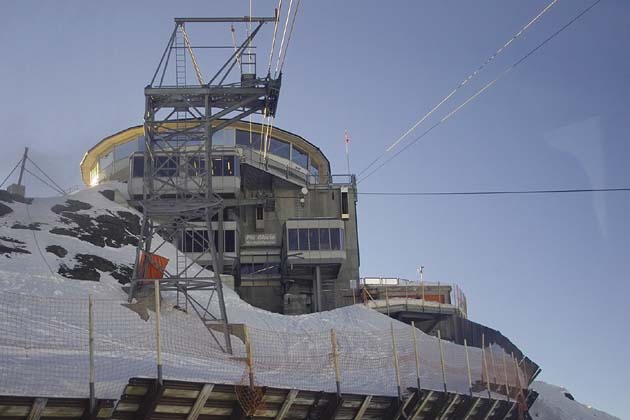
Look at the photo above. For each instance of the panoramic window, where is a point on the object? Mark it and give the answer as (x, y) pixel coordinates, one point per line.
(299, 157)
(223, 137)
(247, 139)
(313, 237)
(335, 239)
(324, 239)
(280, 148)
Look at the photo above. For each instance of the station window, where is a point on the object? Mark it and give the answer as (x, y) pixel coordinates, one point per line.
(165, 166)
(217, 166)
(230, 241)
(293, 240)
(138, 167)
(247, 139)
(280, 148)
(228, 165)
(224, 137)
(315, 239)
(260, 213)
(196, 166)
(299, 157)
(105, 160)
(324, 239)
(303, 239)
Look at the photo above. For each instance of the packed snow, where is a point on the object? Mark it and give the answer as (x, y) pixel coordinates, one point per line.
(43, 322)
(557, 403)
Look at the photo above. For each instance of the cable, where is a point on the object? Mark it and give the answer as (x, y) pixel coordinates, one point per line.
(11, 173)
(479, 193)
(44, 182)
(46, 175)
(284, 33)
(488, 85)
(461, 84)
(273, 40)
(297, 6)
(581, 190)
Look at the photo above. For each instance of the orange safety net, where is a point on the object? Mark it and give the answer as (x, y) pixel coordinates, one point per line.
(155, 266)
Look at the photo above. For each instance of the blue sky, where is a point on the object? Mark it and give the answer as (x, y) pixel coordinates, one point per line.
(550, 272)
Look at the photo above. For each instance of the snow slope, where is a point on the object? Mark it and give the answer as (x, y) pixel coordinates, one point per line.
(554, 404)
(43, 344)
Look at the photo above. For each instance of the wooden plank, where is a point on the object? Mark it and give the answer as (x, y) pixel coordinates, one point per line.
(37, 408)
(472, 408)
(363, 407)
(512, 407)
(288, 402)
(422, 405)
(448, 408)
(200, 402)
(491, 410)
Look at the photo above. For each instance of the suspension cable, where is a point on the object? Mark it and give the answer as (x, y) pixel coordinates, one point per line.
(11, 173)
(273, 40)
(461, 84)
(62, 192)
(297, 6)
(284, 33)
(45, 174)
(484, 88)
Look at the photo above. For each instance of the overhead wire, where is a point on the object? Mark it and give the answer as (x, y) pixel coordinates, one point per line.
(485, 87)
(46, 175)
(62, 192)
(297, 7)
(284, 33)
(11, 173)
(461, 84)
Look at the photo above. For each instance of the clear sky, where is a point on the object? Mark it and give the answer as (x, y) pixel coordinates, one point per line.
(550, 272)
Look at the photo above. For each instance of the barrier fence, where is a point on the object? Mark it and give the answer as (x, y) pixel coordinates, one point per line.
(56, 346)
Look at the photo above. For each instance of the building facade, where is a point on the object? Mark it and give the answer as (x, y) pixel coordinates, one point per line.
(289, 227)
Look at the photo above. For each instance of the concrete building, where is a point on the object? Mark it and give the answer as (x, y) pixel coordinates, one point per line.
(289, 226)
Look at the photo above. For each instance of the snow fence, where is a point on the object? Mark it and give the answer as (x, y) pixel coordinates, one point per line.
(44, 351)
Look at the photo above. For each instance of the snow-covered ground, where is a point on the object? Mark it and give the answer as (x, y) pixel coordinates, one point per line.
(43, 320)
(556, 403)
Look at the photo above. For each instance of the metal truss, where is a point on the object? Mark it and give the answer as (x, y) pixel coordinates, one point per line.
(178, 198)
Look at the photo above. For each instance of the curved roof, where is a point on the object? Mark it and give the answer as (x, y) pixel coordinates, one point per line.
(108, 143)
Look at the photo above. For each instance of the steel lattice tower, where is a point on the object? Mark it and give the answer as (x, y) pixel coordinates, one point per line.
(179, 123)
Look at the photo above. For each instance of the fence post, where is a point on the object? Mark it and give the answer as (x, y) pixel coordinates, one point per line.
(518, 376)
(507, 388)
(439, 334)
(250, 356)
(157, 331)
(485, 362)
(335, 355)
(494, 370)
(386, 299)
(468, 367)
(91, 350)
(417, 353)
(396, 362)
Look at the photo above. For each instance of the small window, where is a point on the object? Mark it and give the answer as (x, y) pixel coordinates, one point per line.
(280, 148)
(324, 239)
(165, 166)
(228, 165)
(217, 166)
(335, 239)
(230, 241)
(313, 237)
(303, 239)
(345, 214)
(293, 240)
(138, 167)
(299, 157)
(196, 166)
(260, 213)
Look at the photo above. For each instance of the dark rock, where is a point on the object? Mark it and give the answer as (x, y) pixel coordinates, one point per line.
(79, 273)
(88, 267)
(30, 226)
(113, 230)
(6, 250)
(15, 241)
(109, 194)
(7, 197)
(123, 274)
(57, 250)
(4, 209)
(71, 206)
